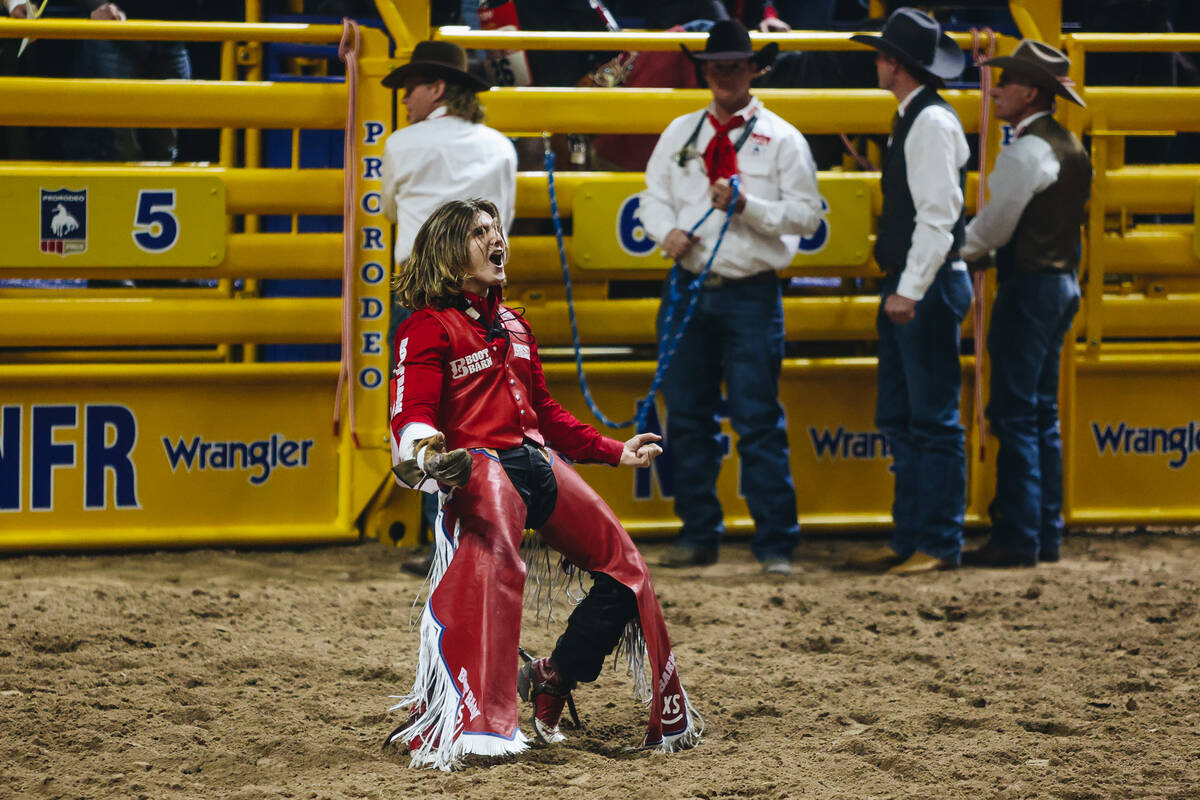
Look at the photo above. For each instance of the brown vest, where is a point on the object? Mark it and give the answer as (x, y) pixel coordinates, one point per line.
(1047, 235)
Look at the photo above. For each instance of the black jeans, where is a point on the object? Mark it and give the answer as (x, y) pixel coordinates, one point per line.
(596, 624)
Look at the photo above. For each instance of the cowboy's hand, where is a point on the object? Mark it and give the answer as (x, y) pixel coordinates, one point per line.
(773, 25)
(677, 243)
(20, 12)
(641, 450)
(722, 194)
(900, 309)
(452, 469)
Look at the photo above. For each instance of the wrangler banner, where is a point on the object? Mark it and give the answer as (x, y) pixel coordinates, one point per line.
(188, 448)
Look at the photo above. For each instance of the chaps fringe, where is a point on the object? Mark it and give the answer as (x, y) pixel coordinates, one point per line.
(545, 579)
(434, 732)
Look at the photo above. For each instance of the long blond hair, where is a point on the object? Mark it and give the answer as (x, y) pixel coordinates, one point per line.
(434, 274)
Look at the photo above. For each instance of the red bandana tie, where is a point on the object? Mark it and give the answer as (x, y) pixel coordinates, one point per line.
(720, 159)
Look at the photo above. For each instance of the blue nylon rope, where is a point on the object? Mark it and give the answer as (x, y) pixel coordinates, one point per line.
(668, 343)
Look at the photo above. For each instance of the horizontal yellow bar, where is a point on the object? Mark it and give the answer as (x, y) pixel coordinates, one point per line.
(1135, 42)
(215, 374)
(1142, 349)
(817, 367)
(283, 255)
(1158, 188)
(647, 40)
(841, 318)
(171, 104)
(1152, 250)
(89, 356)
(303, 256)
(247, 191)
(568, 110)
(1144, 362)
(167, 31)
(108, 322)
(1137, 316)
(1131, 108)
(632, 321)
(535, 263)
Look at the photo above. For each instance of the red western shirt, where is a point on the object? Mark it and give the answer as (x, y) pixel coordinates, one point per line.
(481, 392)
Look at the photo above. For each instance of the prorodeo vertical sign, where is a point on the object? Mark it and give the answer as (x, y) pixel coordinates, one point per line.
(372, 281)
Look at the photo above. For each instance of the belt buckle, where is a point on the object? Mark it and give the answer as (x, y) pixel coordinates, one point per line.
(714, 281)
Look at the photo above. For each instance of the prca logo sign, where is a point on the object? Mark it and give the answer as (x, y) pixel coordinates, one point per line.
(64, 221)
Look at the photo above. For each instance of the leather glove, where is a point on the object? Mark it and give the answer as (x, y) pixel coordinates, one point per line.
(452, 468)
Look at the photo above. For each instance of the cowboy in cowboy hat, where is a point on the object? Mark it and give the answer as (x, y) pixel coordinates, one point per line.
(926, 292)
(435, 59)
(916, 41)
(728, 40)
(1037, 64)
(1039, 188)
(736, 334)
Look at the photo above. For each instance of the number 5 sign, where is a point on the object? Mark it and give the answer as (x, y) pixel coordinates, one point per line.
(155, 227)
(112, 218)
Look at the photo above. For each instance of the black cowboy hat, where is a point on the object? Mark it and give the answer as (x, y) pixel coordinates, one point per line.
(728, 40)
(916, 40)
(1041, 64)
(438, 60)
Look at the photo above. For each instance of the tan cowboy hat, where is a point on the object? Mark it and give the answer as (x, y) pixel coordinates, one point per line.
(438, 60)
(916, 40)
(1041, 64)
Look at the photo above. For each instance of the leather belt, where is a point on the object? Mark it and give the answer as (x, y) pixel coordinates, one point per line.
(715, 281)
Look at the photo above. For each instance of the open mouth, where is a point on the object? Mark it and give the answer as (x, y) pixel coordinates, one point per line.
(497, 258)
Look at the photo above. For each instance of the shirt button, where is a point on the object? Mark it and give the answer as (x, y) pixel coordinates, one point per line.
(510, 380)
(522, 411)
(517, 396)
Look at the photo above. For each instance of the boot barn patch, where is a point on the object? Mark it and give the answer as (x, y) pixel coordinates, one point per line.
(64, 221)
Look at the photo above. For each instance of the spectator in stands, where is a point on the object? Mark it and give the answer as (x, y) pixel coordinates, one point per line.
(100, 58)
(1039, 189)
(925, 294)
(446, 153)
(737, 332)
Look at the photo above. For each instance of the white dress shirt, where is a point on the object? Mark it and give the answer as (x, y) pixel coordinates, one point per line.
(444, 158)
(1023, 168)
(934, 153)
(778, 179)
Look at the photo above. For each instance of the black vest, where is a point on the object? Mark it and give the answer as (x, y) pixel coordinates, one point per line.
(1046, 238)
(898, 219)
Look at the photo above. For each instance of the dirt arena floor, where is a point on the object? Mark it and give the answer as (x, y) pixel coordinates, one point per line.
(266, 674)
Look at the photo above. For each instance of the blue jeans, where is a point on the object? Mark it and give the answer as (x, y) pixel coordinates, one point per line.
(735, 335)
(133, 60)
(1032, 314)
(920, 384)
